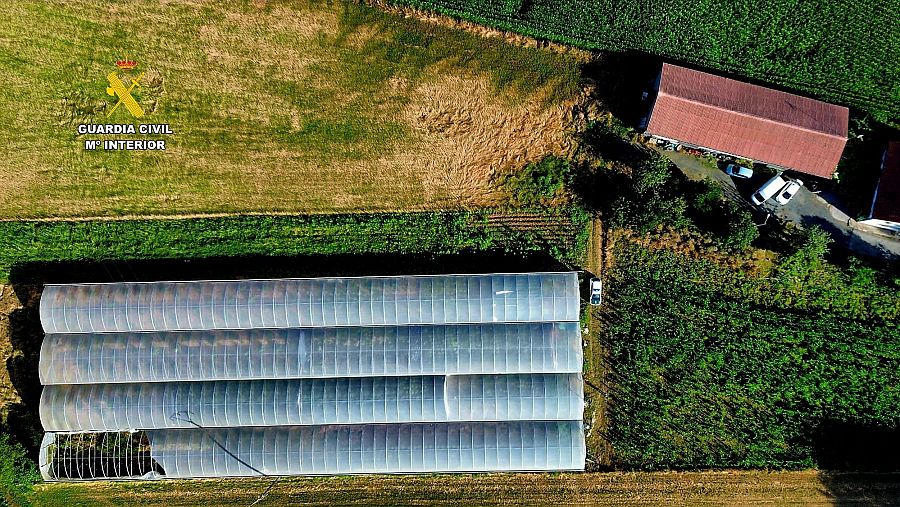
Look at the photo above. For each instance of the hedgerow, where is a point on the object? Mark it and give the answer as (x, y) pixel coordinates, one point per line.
(842, 52)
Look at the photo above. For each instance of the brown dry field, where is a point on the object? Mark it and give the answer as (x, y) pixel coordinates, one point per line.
(614, 488)
(295, 106)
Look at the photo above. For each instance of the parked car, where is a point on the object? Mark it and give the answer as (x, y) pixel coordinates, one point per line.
(788, 191)
(596, 291)
(739, 171)
(768, 190)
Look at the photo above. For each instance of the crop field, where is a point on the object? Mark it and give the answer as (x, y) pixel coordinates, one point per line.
(842, 52)
(709, 367)
(691, 488)
(561, 232)
(290, 107)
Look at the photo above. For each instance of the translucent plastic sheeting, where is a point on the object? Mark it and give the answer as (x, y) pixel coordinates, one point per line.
(319, 352)
(112, 407)
(375, 448)
(248, 304)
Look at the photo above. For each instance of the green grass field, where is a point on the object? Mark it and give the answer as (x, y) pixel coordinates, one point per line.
(298, 106)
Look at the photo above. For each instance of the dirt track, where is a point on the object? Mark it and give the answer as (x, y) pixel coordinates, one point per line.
(619, 488)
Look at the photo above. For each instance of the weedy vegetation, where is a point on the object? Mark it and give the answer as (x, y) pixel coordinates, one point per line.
(18, 473)
(561, 231)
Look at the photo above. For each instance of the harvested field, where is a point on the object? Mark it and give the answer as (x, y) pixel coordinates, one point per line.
(655, 488)
(276, 107)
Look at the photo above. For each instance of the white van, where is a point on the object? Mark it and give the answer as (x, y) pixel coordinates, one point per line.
(768, 190)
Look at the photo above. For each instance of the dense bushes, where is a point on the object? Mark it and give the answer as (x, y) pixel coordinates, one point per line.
(703, 377)
(656, 194)
(825, 49)
(538, 182)
(732, 226)
(17, 473)
(649, 198)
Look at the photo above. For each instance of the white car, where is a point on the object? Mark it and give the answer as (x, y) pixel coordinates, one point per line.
(788, 191)
(739, 171)
(768, 190)
(596, 291)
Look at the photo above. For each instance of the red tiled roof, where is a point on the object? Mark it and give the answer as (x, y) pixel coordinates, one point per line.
(750, 121)
(887, 200)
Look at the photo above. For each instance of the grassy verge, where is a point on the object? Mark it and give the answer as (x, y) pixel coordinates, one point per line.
(396, 233)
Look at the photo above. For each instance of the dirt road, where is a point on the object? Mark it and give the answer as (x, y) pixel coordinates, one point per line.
(618, 488)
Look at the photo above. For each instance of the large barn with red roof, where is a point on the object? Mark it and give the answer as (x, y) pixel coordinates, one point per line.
(722, 115)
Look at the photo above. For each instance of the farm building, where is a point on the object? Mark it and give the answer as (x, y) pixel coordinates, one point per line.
(743, 120)
(407, 374)
(885, 210)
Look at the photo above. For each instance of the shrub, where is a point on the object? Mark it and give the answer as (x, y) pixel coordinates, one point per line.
(810, 246)
(651, 197)
(538, 183)
(651, 176)
(17, 473)
(707, 197)
(740, 229)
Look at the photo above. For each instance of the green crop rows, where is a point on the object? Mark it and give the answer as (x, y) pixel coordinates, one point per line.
(26, 242)
(842, 52)
(745, 373)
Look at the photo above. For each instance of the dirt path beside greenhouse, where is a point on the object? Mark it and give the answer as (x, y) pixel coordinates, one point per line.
(616, 488)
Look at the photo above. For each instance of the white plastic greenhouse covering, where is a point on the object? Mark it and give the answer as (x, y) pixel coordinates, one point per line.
(309, 302)
(370, 448)
(111, 407)
(454, 373)
(300, 353)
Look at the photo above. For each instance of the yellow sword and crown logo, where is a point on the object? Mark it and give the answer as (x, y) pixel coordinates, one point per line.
(117, 89)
